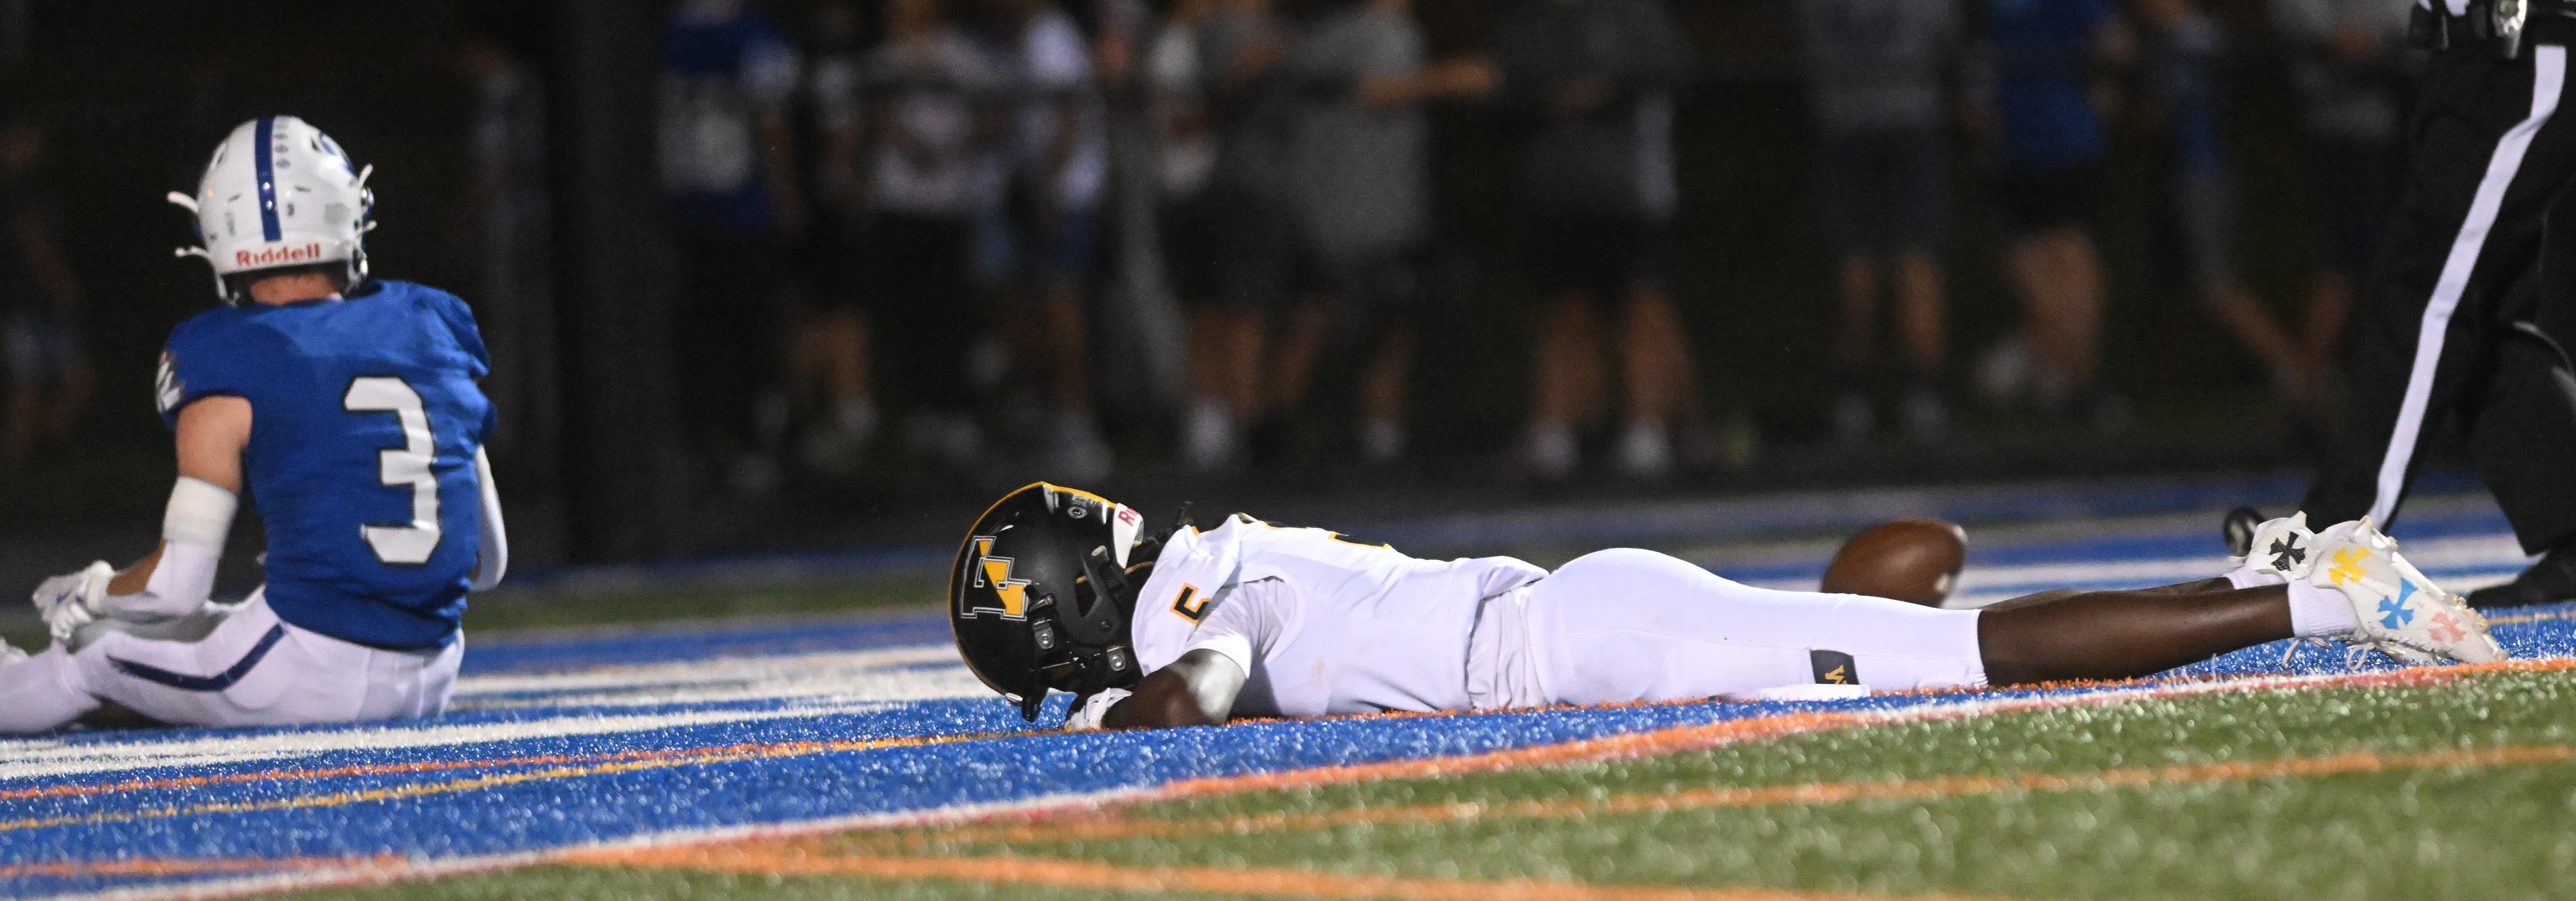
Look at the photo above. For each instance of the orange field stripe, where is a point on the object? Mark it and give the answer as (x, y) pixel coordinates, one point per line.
(1247, 881)
(1111, 828)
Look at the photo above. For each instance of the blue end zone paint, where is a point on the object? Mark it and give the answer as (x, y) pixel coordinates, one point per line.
(664, 645)
(555, 812)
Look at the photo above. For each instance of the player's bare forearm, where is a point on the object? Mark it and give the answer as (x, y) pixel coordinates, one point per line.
(1162, 701)
(2202, 586)
(1197, 690)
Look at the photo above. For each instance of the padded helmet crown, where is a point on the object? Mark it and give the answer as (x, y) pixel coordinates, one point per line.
(1040, 597)
(277, 193)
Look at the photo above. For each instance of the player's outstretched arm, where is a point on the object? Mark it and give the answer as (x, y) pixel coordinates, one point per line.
(176, 577)
(2075, 634)
(181, 572)
(1196, 690)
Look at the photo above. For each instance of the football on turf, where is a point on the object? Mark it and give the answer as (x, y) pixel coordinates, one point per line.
(1912, 560)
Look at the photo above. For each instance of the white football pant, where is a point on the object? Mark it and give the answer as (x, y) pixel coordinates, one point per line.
(251, 670)
(1627, 625)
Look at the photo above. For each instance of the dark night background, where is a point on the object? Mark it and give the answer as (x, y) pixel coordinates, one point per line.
(135, 92)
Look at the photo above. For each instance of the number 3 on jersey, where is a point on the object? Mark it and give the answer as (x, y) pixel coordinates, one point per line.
(408, 465)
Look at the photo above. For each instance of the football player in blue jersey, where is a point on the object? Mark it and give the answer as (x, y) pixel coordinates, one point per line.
(347, 408)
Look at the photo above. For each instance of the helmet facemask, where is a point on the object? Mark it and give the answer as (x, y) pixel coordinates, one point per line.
(1083, 646)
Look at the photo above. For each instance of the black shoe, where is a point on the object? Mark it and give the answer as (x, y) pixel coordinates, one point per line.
(2549, 581)
(2238, 529)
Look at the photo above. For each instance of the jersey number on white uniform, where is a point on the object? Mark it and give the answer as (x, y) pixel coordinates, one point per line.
(397, 467)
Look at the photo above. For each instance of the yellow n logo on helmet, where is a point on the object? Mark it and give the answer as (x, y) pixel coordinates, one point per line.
(995, 573)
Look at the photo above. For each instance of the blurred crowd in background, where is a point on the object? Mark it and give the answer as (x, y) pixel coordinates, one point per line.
(930, 213)
(1066, 238)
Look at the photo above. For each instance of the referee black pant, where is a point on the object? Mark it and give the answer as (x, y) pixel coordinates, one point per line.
(2461, 318)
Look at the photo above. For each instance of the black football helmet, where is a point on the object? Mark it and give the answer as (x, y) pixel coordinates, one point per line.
(1041, 596)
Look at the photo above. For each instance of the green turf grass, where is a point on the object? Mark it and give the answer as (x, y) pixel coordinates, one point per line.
(2503, 831)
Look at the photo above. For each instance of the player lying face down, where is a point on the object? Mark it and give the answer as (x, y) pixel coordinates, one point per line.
(1058, 589)
(348, 408)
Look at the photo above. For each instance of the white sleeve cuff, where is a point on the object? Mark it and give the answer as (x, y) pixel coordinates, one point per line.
(200, 514)
(1228, 645)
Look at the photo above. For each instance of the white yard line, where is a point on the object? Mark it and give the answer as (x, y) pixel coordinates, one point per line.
(811, 685)
(37, 759)
(921, 673)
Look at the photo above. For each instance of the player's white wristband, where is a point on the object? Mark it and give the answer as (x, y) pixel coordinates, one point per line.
(200, 514)
(1094, 709)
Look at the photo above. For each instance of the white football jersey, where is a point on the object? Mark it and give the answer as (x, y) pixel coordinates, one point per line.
(1320, 624)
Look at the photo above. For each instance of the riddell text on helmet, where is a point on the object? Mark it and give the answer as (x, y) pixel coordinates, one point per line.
(278, 256)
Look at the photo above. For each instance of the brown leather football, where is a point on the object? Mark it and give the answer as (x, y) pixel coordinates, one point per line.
(1912, 560)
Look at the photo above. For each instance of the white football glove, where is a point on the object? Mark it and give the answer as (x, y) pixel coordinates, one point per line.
(71, 601)
(1094, 708)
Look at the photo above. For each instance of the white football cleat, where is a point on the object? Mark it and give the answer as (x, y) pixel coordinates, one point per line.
(2403, 614)
(2279, 553)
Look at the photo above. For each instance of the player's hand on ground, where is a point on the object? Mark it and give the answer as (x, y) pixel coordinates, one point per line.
(71, 600)
(1093, 709)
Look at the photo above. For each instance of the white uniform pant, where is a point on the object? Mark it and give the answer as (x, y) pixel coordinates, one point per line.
(1631, 625)
(251, 670)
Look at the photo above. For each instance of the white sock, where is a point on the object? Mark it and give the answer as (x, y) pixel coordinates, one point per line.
(2244, 577)
(2320, 612)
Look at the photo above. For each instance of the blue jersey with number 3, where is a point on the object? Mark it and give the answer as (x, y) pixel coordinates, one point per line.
(364, 421)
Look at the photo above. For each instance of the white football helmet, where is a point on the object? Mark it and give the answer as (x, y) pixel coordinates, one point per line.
(279, 192)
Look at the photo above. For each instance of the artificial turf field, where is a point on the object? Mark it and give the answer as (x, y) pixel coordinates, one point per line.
(854, 758)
